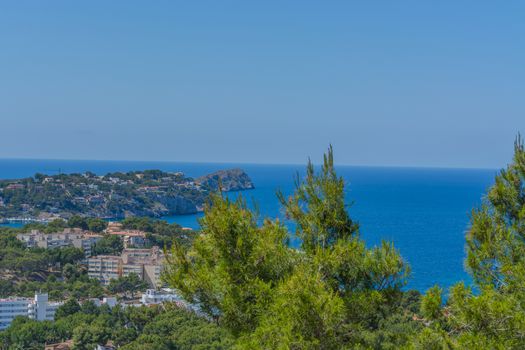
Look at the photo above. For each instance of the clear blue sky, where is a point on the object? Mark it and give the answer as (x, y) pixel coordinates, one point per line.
(415, 83)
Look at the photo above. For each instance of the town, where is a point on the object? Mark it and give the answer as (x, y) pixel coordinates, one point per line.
(151, 193)
(138, 260)
(145, 263)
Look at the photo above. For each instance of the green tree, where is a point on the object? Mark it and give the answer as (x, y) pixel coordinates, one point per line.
(267, 294)
(131, 283)
(56, 225)
(88, 337)
(494, 316)
(318, 207)
(177, 328)
(361, 286)
(89, 308)
(233, 266)
(70, 272)
(108, 245)
(65, 255)
(77, 221)
(96, 225)
(70, 307)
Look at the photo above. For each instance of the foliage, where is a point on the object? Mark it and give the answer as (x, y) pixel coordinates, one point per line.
(77, 285)
(57, 225)
(92, 224)
(127, 284)
(24, 270)
(130, 328)
(89, 336)
(108, 245)
(333, 291)
(70, 307)
(493, 316)
(65, 255)
(179, 329)
(318, 208)
(159, 232)
(233, 263)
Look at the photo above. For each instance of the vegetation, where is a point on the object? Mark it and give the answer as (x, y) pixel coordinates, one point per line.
(56, 271)
(491, 316)
(127, 284)
(92, 224)
(108, 245)
(332, 293)
(159, 232)
(152, 328)
(58, 225)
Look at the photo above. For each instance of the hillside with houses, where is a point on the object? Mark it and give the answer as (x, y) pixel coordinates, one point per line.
(152, 193)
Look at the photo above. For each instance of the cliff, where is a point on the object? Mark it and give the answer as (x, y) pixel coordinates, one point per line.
(229, 180)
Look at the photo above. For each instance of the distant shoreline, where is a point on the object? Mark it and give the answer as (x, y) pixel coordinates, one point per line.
(149, 193)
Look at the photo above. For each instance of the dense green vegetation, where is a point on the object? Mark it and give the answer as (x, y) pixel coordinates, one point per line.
(491, 316)
(134, 328)
(56, 271)
(108, 245)
(127, 284)
(92, 224)
(335, 293)
(160, 232)
(332, 293)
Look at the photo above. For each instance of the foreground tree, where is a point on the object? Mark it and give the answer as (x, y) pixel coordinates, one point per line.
(493, 317)
(233, 266)
(330, 292)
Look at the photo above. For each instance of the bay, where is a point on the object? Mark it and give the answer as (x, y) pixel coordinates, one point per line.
(424, 211)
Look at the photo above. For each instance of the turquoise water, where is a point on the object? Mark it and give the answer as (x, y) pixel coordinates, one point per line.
(425, 212)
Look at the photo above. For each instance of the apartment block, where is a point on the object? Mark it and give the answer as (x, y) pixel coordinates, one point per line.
(39, 308)
(68, 238)
(146, 263)
(130, 238)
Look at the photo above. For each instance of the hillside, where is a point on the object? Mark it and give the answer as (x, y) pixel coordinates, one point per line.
(151, 193)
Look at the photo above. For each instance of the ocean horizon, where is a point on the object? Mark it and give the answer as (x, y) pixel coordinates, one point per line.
(423, 211)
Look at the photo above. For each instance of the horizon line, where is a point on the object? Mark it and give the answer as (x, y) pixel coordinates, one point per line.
(250, 163)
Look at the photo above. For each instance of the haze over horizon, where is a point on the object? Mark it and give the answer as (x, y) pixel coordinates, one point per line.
(317, 162)
(389, 84)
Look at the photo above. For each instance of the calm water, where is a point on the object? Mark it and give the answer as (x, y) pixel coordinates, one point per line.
(425, 212)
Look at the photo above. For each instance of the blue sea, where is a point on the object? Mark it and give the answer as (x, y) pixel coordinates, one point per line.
(424, 211)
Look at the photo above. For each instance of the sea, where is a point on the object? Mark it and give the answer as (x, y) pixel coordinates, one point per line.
(425, 212)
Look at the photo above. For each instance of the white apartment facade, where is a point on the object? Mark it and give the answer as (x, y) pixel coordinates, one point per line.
(39, 308)
(153, 297)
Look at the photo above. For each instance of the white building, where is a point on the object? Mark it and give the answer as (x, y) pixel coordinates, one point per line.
(39, 308)
(153, 296)
(11, 308)
(109, 301)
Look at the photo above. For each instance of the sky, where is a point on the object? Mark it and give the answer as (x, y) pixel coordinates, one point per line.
(389, 83)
